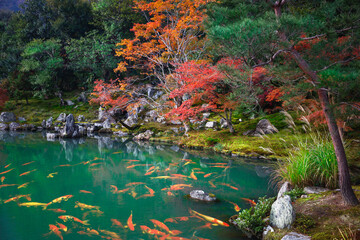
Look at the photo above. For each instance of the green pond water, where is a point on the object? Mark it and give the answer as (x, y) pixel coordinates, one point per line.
(86, 169)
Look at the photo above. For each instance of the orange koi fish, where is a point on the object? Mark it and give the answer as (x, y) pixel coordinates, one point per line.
(83, 206)
(62, 227)
(135, 165)
(84, 191)
(151, 171)
(217, 163)
(150, 231)
(7, 185)
(228, 185)
(7, 165)
(212, 184)
(92, 231)
(28, 163)
(116, 152)
(192, 175)
(94, 164)
(130, 223)
(55, 230)
(150, 190)
(176, 238)
(51, 175)
(18, 197)
(7, 171)
(2, 179)
(184, 219)
(114, 189)
(170, 220)
(133, 160)
(199, 172)
(64, 165)
(249, 201)
(167, 169)
(209, 219)
(66, 218)
(219, 166)
(133, 193)
(24, 185)
(116, 222)
(208, 175)
(207, 225)
(32, 204)
(164, 227)
(151, 168)
(134, 184)
(58, 200)
(57, 210)
(123, 190)
(236, 207)
(170, 193)
(26, 173)
(164, 177)
(176, 186)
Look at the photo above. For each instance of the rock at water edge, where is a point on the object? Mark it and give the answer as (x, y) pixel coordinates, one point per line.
(282, 214)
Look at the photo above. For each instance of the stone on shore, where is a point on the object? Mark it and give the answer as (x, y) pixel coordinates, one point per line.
(7, 117)
(282, 213)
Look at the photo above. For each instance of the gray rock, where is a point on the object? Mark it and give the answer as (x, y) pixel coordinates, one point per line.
(14, 126)
(61, 117)
(175, 122)
(43, 123)
(144, 136)
(131, 120)
(264, 126)
(267, 230)
(282, 214)
(315, 190)
(151, 115)
(81, 118)
(206, 116)
(186, 97)
(175, 148)
(21, 119)
(211, 124)
(158, 94)
(160, 119)
(7, 117)
(121, 134)
(82, 98)
(201, 195)
(107, 124)
(48, 122)
(69, 102)
(70, 130)
(286, 187)
(4, 127)
(295, 236)
(223, 123)
(51, 136)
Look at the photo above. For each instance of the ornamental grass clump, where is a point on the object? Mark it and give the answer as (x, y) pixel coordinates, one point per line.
(313, 164)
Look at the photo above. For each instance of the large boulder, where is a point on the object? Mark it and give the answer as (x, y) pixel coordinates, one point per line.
(103, 115)
(14, 126)
(263, 127)
(107, 124)
(212, 125)
(202, 196)
(4, 127)
(62, 117)
(70, 130)
(145, 136)
(121, 134)
(7, 117)
(48, 122)
(286, 187)
(282, 214)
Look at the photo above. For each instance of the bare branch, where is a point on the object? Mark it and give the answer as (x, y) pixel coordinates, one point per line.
(334, 63)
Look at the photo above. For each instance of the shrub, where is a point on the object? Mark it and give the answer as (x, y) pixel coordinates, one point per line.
(295, 193)
(313, 164)
(251, 221)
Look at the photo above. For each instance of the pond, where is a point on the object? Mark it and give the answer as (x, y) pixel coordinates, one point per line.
(106, 188)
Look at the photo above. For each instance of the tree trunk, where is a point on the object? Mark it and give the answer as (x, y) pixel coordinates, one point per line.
(228, 121)
(344, 175)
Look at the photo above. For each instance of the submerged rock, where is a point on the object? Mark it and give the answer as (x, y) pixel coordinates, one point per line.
(282, 214)
(202, 196)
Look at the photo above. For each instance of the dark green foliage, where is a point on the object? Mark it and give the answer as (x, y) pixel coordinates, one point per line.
(295, 193)
(251, 220)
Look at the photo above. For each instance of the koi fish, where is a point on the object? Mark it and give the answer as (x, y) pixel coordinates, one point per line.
(18, 197)
(59, 199)
(219, 166)
(116, 152)
(92, 231)
(83, 206)
(133, 161)
(150, 231)
(208, 175)
(133, 193)
(228, 185)
(62, 227)
(217, 163)
(26, 173)
(135, 165)
(207, 225)
(199, 172)
(51, 175)
(7, 171)
(28, 163)
(163, 177)
(116, 222)
(64, 165)
(164, 227)
(32, 204)
(55, 230)
(123, 190)
(57, 210)
(114, 189)
(7, 185)
(2, 179)
(170, 193)
(176, 238)
(84, 191)
(170, 220)
(66, 218)
(151, 192)
(7, 165)
(209, 219)
(179, 175)
(97, 213)
(151, 171)
(184, 219)
(176, 186)
(94, 164)
(188, 162)
(192, 175)
(134, 184)
(167, 169)
(236, 207)
(111, 234)
(24, 185)
(249, 201)
(130, 223)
